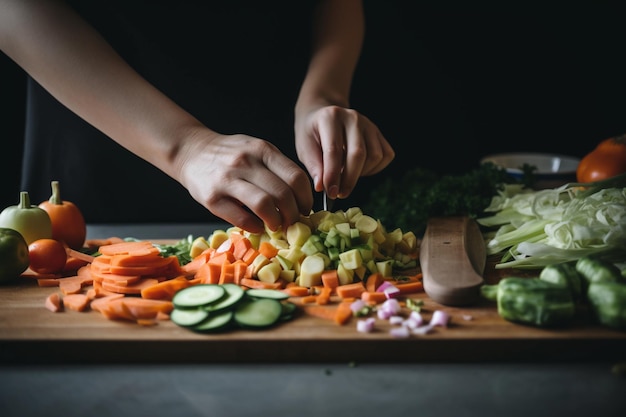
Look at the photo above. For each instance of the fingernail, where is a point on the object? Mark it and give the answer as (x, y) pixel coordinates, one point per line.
(333, 191)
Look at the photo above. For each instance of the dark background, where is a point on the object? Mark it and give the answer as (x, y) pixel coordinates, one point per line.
(450, 83)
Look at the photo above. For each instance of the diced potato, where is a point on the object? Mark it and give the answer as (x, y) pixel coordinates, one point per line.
(298, 233)
(311, 271)
(351, 259)
(269, 272)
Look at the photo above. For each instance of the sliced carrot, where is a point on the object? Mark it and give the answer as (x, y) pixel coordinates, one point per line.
(155, 260)
(71, 285)
(373, 297)
(296, 291)
(147, 322)
(115, 308)
(324, 296)
(134, 288)
(239, 270)
(141, 308)
(48, 282)
(53, 302)
(73, 264)
(99, 303)
(410, 287)
(227, 274)
(115, 278)
(330, 278)
(220, 257)
(165, 290)
(343, 313)
(132, 248)
(353, 290)
(250, 256)
(241, 246)
(255, 283)
(373, 281)
(95, 244)
(85, 257)
(327, 312)
(209, 273)
(193, 266)
(77, 302)
(308, 299)
(267, 249)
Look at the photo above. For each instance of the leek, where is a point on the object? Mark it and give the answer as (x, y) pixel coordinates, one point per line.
(534, 229)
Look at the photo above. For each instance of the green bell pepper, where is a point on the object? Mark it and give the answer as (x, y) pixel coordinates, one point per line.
(608, 303)
(532, 301)
(13, 255)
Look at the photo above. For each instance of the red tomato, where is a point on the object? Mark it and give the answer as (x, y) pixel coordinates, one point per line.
(607, 160)
(47, 256)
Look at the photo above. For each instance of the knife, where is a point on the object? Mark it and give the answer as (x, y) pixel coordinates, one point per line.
(327, 202)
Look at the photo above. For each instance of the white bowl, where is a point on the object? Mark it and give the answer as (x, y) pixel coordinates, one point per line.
(552, 169)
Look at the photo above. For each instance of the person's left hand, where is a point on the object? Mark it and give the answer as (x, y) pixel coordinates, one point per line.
(339, 145)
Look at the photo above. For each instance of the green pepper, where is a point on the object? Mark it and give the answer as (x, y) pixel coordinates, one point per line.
(13, 254)
(31, 221)
(608, 303)
(594, 270)
(564, 274)
(532, 301)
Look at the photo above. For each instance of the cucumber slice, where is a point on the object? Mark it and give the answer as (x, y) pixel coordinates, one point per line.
(188, 317)
(266, 293)
(198, 295)
(216, 322)
(258, 313)
(289, 310)
(234, 293)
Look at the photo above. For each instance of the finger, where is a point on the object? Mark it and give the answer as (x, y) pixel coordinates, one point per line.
(356, 155)
(333, 143)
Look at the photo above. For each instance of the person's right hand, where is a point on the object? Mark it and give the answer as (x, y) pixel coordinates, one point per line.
(244, 180)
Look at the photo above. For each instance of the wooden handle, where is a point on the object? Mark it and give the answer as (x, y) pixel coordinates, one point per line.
(452, 258)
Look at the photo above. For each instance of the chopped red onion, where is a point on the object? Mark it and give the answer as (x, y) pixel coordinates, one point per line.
(391, 305)
(383, 286)
(440, 318)
(365, 325)
(421, 330)
(357, 305)
(400, 332)
(392, 292)
(396, 320)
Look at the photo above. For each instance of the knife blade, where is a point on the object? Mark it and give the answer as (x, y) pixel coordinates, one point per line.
(327, 202)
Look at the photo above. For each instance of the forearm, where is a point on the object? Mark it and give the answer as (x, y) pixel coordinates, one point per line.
(337, 41)
(70, 60)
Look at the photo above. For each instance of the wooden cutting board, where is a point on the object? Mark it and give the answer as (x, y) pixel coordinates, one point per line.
(31, 333)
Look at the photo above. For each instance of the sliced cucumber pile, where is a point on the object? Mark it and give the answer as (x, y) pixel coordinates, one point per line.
(219, 307)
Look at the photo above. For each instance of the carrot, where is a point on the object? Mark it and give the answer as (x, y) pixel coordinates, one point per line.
(120, 279)
(220, 257)
(308, 299)
(330, 278)
(227, 274)
(115, 308)
(353, 290)
(141, 308)
(410, 287)
(101, 301)
(154, 260)
(267, 249)
(343, 313)
(77, 302)
(241, 246)
(324, 296)
(255, 283)
(71, 285)
(165, 290)
(73, 264)
(326, 312)
(53, 302)
(296, 290)
(240, 269)
(85, 257)
(209, 273)
(132, 248)
(193, 266)
(94, 244)
(134, 288)
(373, 297)
(250, 256)
(373, 282)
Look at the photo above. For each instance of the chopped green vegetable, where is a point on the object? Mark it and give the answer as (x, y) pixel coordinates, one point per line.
(408, 203)
(539, 228)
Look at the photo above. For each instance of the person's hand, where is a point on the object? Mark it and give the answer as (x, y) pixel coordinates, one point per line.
(338, 146)
(244, 180)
